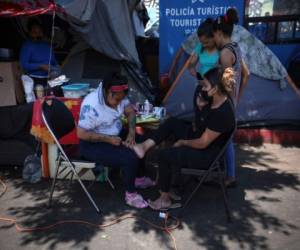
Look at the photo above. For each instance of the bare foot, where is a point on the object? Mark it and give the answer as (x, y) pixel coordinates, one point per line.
(139, 150)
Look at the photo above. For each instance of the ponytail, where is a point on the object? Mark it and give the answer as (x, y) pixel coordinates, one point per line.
(228, 81)
(223, 79)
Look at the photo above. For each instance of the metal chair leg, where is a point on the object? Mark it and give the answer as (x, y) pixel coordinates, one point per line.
(53, 185)
(107, 178)
(180, 214)
(225, 197)
(84, 188)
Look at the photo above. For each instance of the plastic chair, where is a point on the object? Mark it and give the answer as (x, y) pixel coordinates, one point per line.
(59, 121)
(217, 168)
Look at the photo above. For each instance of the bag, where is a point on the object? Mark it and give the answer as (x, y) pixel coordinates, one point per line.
(32, 170)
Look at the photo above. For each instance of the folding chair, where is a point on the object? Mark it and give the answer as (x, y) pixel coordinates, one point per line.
(59, 121)
(215, 169)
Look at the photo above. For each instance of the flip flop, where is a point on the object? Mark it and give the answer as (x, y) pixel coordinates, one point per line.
(172, 206)
(175, 197)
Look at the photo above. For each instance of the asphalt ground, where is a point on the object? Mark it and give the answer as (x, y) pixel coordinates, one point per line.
(265, 207)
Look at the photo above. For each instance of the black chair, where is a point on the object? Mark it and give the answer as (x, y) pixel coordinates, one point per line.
(217, 168)
(59, 121)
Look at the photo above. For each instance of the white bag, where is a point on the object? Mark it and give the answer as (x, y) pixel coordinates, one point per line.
(28, 88)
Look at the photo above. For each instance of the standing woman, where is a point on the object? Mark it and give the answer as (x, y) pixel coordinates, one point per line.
(206, 54)
(230, 56)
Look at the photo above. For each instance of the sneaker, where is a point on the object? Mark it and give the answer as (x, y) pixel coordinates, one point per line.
(144, 182)
(135, 200)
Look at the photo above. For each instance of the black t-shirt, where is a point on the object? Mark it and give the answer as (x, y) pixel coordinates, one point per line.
(221, 119)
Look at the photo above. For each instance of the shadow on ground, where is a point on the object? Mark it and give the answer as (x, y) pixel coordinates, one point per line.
(204, 223)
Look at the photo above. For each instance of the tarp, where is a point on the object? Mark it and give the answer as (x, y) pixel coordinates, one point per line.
(263, 101)
(106, 26)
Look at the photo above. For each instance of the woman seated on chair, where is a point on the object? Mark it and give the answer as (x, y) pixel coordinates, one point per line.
(194, 148)
(100, 133)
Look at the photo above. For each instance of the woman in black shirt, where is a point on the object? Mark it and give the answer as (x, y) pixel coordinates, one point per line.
(194, 148)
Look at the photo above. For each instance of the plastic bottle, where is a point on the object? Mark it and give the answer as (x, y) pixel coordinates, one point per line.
(146, 107)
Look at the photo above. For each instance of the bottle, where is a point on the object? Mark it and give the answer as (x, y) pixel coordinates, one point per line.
(146, 107)
(39, 90)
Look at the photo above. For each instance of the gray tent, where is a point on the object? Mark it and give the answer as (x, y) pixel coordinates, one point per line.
(106, 27)
(263, 102)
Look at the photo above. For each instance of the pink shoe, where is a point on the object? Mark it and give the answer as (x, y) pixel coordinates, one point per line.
(135, 200)
(144, 182)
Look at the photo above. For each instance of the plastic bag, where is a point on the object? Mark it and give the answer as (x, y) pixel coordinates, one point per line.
(28, 88)
(32, 170)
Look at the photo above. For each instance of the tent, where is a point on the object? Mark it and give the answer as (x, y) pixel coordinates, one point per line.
(98, 28)
(263, 103)
(85, 64)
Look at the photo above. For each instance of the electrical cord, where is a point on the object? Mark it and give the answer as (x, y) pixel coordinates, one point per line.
(166, 229)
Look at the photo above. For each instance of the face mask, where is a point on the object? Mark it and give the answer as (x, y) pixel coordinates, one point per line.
(205, 96)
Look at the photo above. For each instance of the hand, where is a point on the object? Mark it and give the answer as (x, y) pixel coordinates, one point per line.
(200, 102)
(44, 67)
(115, 140)
(179, 143)
(130, 140)
(193, 72)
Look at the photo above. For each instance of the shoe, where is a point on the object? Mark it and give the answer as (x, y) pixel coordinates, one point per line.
(230, 182)
(135, 200)
(163, 207)
(144, 182)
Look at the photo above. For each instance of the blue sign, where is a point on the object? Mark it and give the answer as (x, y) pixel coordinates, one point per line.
(179, 18)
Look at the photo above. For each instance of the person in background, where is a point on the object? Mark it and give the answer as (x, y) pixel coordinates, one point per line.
(36, 57)
(230, 57)
(193, 148)
(206, 54)
(102, 139)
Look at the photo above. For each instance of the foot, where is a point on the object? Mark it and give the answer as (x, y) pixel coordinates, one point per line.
(160, 204)
(135, 200)
(139, 150)
(144, 182)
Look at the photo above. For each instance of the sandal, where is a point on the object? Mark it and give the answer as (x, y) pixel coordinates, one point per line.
(174, 196)
(230, 182)
(135, 200)
(163, 207)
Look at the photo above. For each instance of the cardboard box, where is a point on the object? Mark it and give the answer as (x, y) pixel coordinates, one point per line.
(11, 88)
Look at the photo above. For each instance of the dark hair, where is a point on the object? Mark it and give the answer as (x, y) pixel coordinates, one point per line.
(224, 24)
(223, 79)
(206, 28)
(33, 22)
(115, 80)
(233, 15)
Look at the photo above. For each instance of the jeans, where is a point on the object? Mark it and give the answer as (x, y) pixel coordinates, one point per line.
(230, 160)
